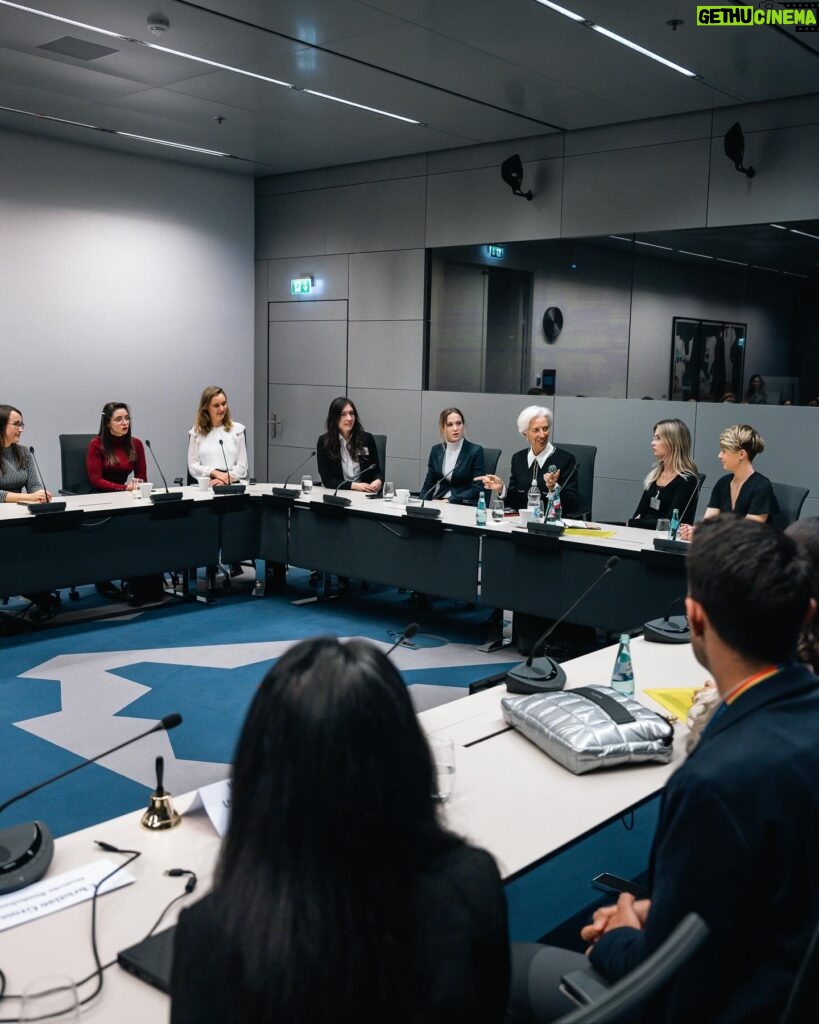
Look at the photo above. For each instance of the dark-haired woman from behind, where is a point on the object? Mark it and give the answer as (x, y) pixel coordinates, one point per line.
(346, 454)
(338, 894)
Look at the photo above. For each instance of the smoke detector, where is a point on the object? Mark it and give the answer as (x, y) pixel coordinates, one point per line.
(158, 24)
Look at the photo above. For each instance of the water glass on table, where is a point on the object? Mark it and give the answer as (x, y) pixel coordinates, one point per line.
(389, 490)
(307, 484)
(663, 527)
(443, 756)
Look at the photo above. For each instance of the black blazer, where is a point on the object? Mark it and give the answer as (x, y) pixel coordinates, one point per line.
(737, 841)
(460, 488)
(331, 473)
(521, 480)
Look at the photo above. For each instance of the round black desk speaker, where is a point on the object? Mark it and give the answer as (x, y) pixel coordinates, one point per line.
(25, 853)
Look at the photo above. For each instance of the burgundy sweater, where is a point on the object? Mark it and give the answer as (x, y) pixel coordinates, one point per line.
(105, 477)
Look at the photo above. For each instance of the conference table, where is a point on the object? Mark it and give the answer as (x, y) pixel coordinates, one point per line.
(508, 797)
(501, 565)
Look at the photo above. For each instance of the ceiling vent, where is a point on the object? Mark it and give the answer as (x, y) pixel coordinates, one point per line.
(79, 49)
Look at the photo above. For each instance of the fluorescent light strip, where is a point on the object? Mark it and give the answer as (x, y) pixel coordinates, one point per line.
(620, 238)
(804, 234)
(115, 131)
(653, 245)
(641, 49)
(772, 270)
(791, 273)
(737, 263)
(361, 106)
(780, 226)
(562, 10)
(685, 252)
(201, 60)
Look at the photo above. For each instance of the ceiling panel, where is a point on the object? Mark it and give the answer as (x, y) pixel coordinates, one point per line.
(471, 70)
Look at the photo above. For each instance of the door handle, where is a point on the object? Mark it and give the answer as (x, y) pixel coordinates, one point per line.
(273, 425)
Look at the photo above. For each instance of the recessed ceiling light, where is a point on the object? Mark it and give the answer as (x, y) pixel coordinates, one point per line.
(780, 226)
(361, 106)
(804, 234)
(561, 10)
(654, 245)
(620, 238)
(641, 49)
(702, 256)
(737, 263)
(115, 131)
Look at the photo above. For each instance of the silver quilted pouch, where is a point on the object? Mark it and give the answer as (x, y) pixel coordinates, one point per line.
(590, 727)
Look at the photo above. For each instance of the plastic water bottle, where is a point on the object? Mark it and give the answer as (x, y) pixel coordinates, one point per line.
(675, 522)
(533, 502)
(622, 678)
(555, 504)
(480, 511)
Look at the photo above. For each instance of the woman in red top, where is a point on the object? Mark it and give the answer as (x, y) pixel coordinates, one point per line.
(113, 454)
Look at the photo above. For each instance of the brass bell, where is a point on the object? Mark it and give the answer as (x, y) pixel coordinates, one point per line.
(161, 813)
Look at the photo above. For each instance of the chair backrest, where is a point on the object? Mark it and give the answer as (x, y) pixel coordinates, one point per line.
(626, 996)
(585, 455)
(73, 449)
(491, 457)
(790, 500)
(381, 448)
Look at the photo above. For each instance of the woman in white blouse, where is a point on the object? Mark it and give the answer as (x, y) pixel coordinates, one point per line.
(217, 446)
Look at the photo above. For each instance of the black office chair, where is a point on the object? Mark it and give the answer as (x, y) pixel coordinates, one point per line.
(585, 455)
(491, 457)
(73, 449)
(804, 995)
(790, 500)
(381, 449)
(620, 1002)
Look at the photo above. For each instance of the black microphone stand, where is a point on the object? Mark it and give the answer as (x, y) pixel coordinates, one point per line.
(157, 497)
(43, 507)
(222, 489)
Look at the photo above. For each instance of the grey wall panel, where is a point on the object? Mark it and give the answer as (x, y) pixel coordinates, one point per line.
(614, 500)
(283, 459)
(330, 278)
(791, 441)
(259, 462)
(386, 354)
(472, 206)
(378, 170)
(387, 285)
(332, 309)
(642, 189)
(300, 181)
(308, 352)
(301, 411)
(394, 413)
(784, 188)
(291, 225)
(651, 132)
(539, 147)
(404, 472)
(380, 215)
(758, 117)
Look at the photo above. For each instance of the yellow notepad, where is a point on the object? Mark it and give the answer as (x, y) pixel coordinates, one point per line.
(578, 531)
(676, 701)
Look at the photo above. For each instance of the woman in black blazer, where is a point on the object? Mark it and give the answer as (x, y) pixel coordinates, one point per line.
(346, 453)
(536, 462)
(454, 464)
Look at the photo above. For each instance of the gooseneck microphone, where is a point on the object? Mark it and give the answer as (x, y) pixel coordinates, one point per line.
(670, 629)
(38, 508)
(227, 488)
(159, 498)
(542, 675)
(408, 634)
(682, 514)
(421, 511)
(26, 850)
(283, 492)
(335, 498)
(671, 544)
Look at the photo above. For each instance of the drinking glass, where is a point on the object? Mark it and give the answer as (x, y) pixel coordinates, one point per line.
(663, 526)
(389, 490)
(496, 507)
(51, 998)
(307, 484)
(443, 756)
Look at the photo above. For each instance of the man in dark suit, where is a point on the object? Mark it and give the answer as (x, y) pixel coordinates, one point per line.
(738, 835)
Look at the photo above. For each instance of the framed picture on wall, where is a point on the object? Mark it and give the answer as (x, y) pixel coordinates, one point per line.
(707, 359)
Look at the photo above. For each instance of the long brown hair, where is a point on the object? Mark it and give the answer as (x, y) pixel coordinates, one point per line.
(16, 450)
(107, 438)
(330, 439)
(677, 438)
(202, 423)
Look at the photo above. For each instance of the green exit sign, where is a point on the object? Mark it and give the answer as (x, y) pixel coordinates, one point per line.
(495, 252)
(301, 285)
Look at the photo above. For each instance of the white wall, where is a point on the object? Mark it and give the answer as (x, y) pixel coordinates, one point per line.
(121, 278)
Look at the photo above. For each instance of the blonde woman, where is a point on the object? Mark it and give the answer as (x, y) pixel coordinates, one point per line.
(217, 446)
(672, 481)
(742, 490)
